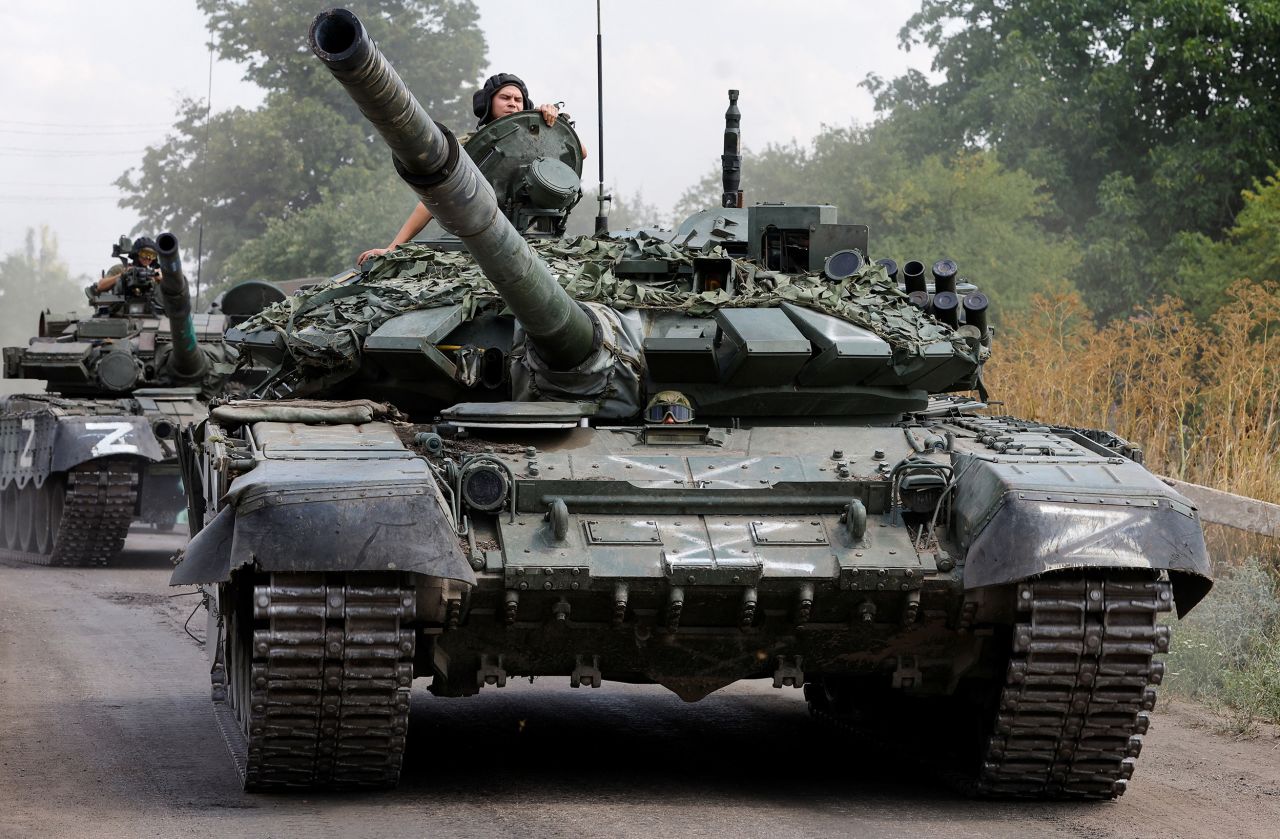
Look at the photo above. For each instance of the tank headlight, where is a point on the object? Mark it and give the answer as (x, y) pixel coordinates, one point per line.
(118, 370)
(842, 265)
(484, 486)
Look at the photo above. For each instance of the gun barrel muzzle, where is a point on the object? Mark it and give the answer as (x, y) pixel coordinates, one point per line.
(186, 361)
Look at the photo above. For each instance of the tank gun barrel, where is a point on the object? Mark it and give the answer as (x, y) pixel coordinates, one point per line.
(431, 162)
(186, 361)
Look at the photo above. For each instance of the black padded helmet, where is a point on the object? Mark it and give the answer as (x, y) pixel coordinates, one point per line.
(140, 243)
(482, 99)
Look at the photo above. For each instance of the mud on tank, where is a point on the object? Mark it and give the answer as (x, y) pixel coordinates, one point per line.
(739, 450)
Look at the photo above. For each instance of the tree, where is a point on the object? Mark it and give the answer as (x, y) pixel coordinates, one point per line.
(1250, 250)
(1171, 102)
(435, 45)
(626, 211)
(34, 279)
(259, 165)
(357, 207)
(274, 162)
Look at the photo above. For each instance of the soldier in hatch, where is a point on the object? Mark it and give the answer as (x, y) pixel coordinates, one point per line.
(668, 407)
(502, 94)
(143, 254)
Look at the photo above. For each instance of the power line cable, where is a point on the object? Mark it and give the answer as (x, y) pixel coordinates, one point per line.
(139, 125)
(18, 151)
(91, 132)
(41, 199)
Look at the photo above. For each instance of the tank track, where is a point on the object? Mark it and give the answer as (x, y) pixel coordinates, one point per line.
(97, 509)
(1078, 691)
(1079, 688)
(314, 691)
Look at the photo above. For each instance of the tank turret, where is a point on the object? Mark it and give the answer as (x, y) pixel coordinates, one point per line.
(430, 160)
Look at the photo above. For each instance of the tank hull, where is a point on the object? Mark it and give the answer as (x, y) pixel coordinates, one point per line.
(777, 551)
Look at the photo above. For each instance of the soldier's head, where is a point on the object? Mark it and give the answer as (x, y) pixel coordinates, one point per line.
(143, 252)
(668, 407)
(502, 94)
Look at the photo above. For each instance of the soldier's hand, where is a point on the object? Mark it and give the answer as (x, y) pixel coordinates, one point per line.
(549, 113)
(371, 252)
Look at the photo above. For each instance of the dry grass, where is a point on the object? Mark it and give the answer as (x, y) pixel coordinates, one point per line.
(1203, 400)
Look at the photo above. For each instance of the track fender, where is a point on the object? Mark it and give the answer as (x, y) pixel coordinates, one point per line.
(82, 438)
(1016, 522)
(313, 516)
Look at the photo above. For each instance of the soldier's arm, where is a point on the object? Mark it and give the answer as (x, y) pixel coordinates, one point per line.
(412, 226)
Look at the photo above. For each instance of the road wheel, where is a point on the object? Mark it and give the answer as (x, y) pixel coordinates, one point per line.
(56, 488)
(239, 649)
(27, 516)
(43, 534)
(9, 516)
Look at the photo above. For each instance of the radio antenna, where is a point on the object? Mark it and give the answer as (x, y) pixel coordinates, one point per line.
(602, 214)
(204, 165)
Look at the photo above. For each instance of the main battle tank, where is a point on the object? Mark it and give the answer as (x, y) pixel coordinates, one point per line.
(738, 450)
(81, 462)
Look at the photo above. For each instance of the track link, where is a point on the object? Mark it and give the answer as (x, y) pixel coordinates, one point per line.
(1077, 696)
(1079, 688)
(93, 512)
(312, 690)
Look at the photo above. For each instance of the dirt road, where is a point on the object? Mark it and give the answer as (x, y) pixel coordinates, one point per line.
(106, 731)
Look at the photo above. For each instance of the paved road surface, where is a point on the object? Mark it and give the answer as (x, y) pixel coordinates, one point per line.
(106, 731)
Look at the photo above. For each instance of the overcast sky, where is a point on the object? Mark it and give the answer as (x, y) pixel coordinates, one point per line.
(75, 112)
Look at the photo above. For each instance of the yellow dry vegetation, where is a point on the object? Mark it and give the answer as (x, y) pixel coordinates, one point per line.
(1202, 399)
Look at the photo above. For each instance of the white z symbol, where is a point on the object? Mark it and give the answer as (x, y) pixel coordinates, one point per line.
(110, 444)
(25, 459)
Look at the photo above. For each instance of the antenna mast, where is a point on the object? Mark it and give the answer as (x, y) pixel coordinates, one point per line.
(204, 164)
(602, 214)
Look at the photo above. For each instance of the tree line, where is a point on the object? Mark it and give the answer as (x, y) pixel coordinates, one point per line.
(1127, 151)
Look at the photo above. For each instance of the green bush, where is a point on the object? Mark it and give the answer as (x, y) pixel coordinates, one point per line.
(1226, 652)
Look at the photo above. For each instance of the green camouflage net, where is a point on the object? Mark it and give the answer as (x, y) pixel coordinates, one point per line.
(325, 327)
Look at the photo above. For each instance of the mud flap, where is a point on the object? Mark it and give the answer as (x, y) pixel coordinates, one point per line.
(1031, 535)
(83, 438)
(369, 519)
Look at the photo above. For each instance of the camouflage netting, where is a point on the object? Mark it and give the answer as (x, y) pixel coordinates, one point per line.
(324, 328)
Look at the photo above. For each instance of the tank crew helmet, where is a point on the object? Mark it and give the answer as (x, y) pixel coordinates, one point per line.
(669, 406)
(482, 100)
(143, 247)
